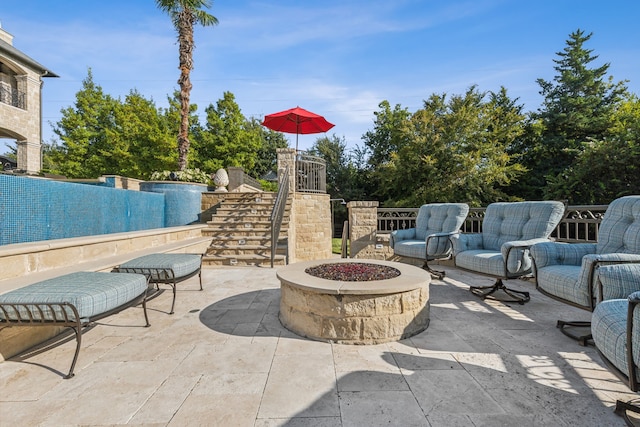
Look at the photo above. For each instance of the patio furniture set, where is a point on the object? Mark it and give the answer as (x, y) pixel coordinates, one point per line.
(603, 277)
(78, 299)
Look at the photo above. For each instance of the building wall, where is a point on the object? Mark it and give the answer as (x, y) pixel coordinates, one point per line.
(23, 124)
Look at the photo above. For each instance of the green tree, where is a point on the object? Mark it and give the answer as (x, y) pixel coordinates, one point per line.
(86, 150)
(455, 150)
(267, 157)
(227, 139)
(184, 15)
(578, 106)
(142, 138)
(609, 168)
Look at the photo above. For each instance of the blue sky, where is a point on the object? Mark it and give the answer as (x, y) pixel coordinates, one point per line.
(339, 58)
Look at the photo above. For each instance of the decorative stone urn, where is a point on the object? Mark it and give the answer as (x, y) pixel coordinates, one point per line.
(220, 180)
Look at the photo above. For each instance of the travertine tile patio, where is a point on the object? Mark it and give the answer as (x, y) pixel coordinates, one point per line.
(223, 359)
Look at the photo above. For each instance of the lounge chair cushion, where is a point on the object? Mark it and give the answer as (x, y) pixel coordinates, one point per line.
(92, 293)
(156, 265)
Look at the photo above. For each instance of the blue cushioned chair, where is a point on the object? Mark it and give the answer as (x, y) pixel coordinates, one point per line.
(615, 326)
(429, 240)
(568, 271)
(501, 250)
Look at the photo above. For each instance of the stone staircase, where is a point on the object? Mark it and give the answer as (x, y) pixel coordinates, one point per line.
(241, 231)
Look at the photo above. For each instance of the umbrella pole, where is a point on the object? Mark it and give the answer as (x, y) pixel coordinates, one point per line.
(296, 143)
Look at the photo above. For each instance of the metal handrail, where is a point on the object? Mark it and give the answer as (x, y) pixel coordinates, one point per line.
(277, 213)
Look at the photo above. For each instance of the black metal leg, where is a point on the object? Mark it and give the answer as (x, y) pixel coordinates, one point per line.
(488, 291)
(173, 303)
(584, 339)
(624, 408)
(435, 273)
(78, 332)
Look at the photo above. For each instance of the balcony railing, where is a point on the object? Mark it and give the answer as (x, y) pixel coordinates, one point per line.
(13, 97)
(580, 223)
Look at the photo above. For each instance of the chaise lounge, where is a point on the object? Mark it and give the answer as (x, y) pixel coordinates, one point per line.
(73, 300)
(165, 268)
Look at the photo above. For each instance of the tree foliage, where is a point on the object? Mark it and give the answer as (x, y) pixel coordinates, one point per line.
(578, 107)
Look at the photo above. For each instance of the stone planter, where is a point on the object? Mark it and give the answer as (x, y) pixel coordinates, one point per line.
(182, 200)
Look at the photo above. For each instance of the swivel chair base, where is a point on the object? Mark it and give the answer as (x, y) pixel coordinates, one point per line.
(584, 339)
(624, 409)
(488, 291)
(435, 273)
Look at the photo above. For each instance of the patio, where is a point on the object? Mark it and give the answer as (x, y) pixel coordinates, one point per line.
(223, 359)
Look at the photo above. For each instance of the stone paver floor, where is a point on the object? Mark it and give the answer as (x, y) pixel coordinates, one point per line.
(223, 359)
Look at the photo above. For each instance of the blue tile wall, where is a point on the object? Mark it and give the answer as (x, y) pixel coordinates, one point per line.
(33, 209)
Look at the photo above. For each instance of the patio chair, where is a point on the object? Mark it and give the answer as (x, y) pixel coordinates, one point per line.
(501, 250)
(568, 271)
(429, 239)
(615, 327)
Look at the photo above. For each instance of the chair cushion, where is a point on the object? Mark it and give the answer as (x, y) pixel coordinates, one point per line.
(439, 217)
(92, 293)
(562, 282)
(609, 330)
(411, 248)
(482, 261)
(181, 264)
(620, 227)
(505, 222)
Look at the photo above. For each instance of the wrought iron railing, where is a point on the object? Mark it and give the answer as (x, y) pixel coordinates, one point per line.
(311, 174)
(277, 213)
(13, 97)
(580, 223)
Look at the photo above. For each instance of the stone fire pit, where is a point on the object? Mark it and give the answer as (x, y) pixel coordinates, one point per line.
(349, 311)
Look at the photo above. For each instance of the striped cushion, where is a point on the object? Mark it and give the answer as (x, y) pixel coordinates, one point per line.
(487, 262)
(181, 264)
(609, 330)
(620, 228)
(562, 281)
(92, 293)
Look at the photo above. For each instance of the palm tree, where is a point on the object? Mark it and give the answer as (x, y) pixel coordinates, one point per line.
(184, 15)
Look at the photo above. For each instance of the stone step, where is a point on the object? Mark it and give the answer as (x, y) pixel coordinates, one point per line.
(242, 260)
(257, 221)
(241, 250)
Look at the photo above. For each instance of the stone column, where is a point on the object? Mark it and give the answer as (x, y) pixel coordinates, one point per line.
(363, 228)
(287, 161)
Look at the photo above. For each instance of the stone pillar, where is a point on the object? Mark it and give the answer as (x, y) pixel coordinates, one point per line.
(309, 227)
(287, 161)
(29, 156)
(363, 228)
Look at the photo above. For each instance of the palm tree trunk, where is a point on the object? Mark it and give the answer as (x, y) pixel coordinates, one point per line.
(186, 45)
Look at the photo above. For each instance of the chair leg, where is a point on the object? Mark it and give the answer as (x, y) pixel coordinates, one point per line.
(584, 339)
(624, 408)
(435, 273)
(488, 291)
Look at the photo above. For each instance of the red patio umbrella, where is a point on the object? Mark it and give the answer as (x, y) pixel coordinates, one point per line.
(297, 120)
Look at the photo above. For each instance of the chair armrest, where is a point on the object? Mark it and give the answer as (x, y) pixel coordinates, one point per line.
(439, 244)
(634, 297)
(516, 255)
(400, 235)
(555, 253)
(618, 281)
(466, 242)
